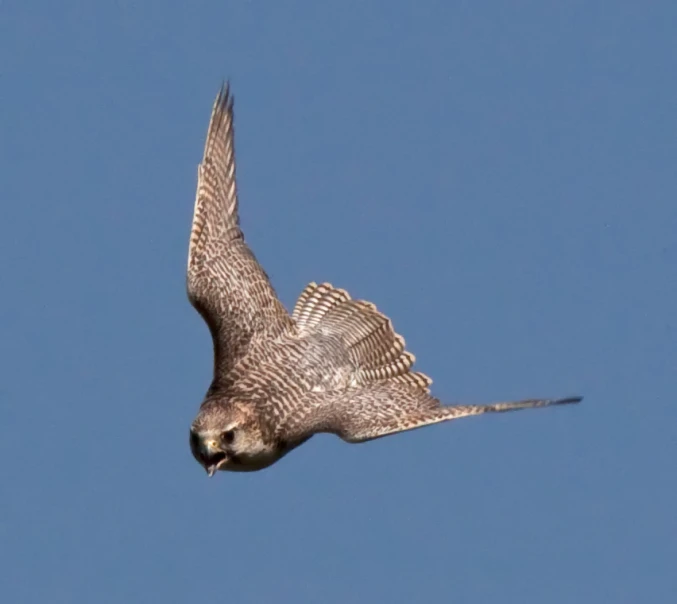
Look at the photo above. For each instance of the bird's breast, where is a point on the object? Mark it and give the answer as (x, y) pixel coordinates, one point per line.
(251, 462)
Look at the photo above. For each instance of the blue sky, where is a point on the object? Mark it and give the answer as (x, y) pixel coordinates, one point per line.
(498, 177)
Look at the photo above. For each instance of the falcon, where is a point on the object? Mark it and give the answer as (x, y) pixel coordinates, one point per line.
(334, 365)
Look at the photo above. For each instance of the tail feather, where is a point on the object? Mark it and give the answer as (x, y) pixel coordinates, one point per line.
(372, 343)
(314, 303)
(414, 378)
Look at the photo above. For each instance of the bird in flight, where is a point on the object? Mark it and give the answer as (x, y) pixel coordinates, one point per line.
(334, 365)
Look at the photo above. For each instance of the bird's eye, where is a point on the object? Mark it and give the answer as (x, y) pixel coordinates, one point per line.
(228, 436)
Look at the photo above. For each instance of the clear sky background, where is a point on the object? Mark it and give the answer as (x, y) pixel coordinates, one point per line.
(498, 177)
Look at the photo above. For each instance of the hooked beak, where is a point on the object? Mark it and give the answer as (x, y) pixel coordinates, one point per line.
(208, 453)
(215, 463)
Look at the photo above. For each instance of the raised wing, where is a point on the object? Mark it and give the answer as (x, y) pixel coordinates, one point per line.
(226, 284)
(380, 409)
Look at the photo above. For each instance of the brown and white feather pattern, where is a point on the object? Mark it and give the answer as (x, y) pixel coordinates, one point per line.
(377, 352)
(226, 284)
(216, 207)
(334, 365)
(381, 409)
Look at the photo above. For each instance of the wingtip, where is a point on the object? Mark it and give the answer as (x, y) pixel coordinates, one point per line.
(568, 400)
(221, 120)
(224, 98)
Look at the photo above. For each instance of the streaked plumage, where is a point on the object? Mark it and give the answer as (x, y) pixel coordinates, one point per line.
(334, 365)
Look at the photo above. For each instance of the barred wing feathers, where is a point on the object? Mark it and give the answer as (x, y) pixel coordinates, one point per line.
(226, 284)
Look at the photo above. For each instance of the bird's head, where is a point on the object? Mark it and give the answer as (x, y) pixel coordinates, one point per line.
(226, 435)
